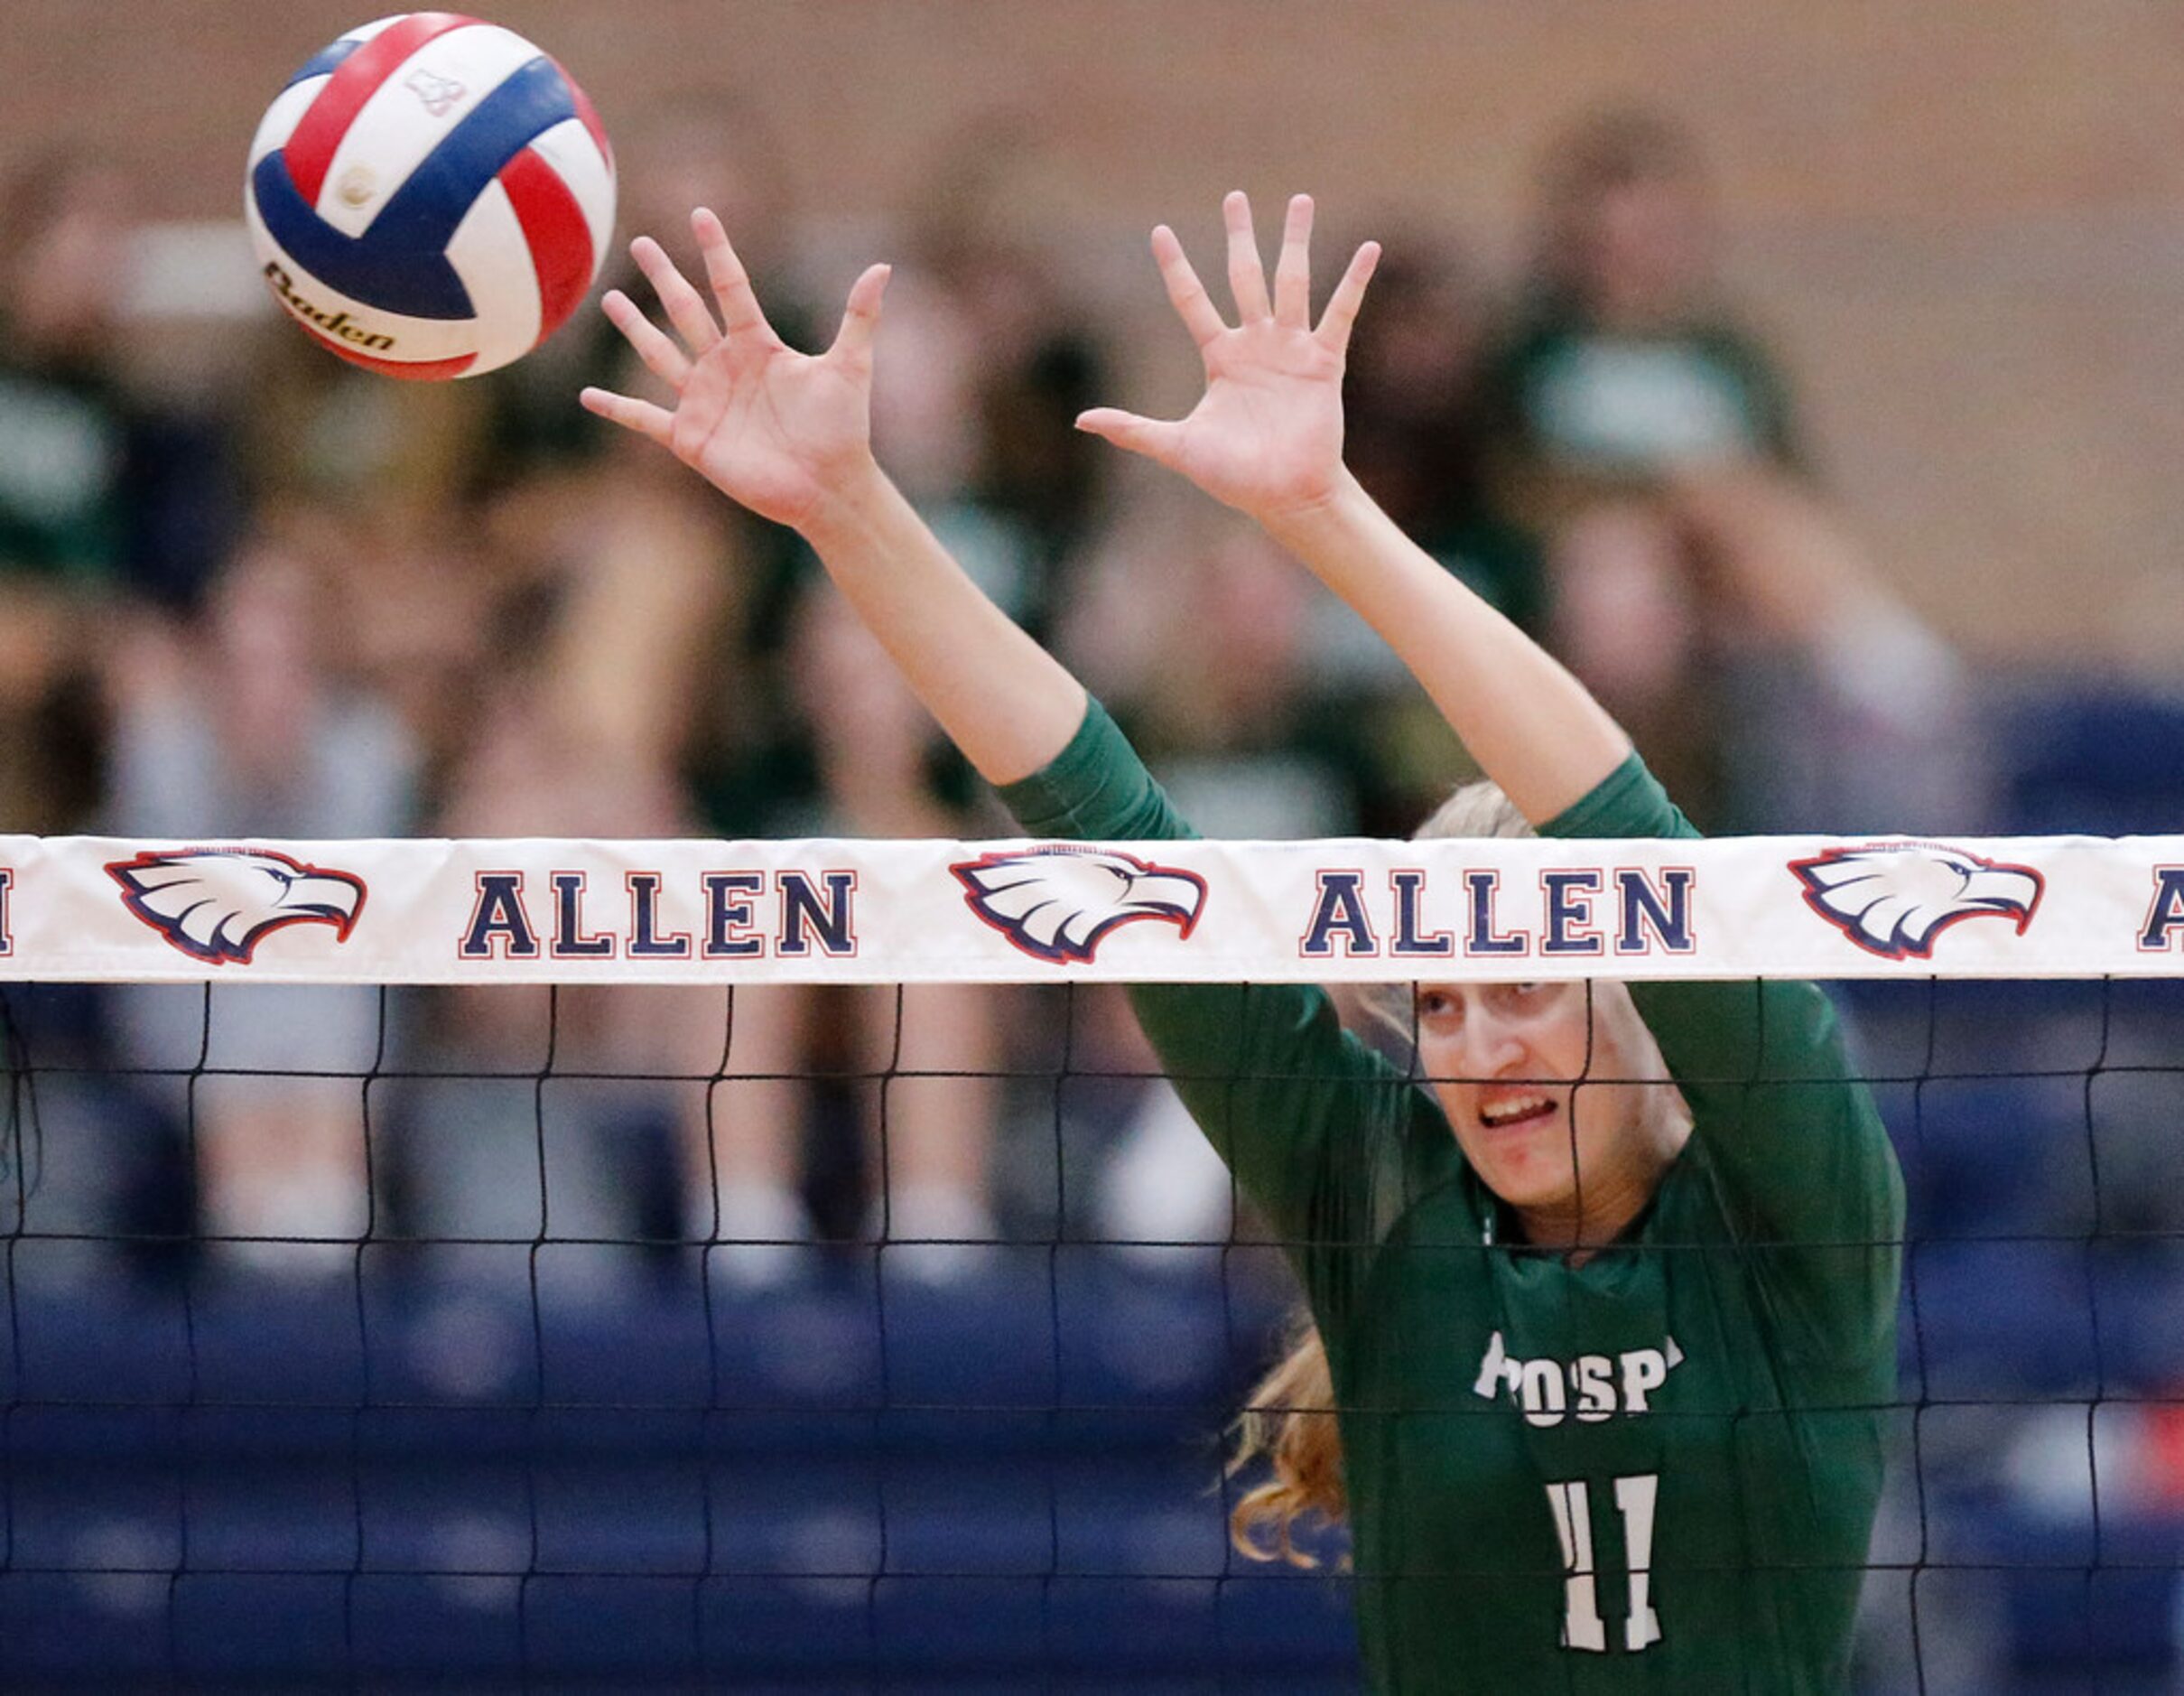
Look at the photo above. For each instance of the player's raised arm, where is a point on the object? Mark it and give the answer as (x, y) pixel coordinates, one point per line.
(789, 436)
(1266, 439)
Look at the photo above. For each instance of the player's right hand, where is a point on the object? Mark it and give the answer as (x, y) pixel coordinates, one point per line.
(785, 433)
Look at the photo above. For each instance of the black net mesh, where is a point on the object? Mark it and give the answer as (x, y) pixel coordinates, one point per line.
(435, 1349)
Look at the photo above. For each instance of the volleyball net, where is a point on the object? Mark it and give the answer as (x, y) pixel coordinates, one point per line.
(781, 1263)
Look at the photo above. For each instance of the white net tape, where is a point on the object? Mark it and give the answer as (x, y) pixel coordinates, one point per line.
(98, 908)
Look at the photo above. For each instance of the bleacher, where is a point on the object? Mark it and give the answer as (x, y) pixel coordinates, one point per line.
(416, 1474)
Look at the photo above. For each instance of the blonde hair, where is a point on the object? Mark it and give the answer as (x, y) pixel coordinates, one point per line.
(1290, 1418)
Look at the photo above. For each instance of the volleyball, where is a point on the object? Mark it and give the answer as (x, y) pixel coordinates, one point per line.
(431, 196)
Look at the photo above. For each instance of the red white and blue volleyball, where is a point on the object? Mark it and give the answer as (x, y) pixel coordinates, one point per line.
(431, 196)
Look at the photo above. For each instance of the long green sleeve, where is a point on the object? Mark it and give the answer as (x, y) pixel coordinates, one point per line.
(1266, 1069)
(1798, 1153)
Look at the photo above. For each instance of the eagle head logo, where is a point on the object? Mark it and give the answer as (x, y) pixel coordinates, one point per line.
(1896, 899)
(1056, 903)
(215, 904)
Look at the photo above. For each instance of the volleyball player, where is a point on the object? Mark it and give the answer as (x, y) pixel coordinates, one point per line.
(1607, 1280)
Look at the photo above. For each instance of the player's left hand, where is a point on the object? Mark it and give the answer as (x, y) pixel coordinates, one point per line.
(1267, 435)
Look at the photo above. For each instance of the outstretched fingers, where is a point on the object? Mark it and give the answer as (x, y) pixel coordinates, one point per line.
(1157, 439)
(1293, 270)
(1185, 292)
(655, 423)
(1246, 271)
(662, 358)
(1335, 322)
(686, 307)
(860, 318)
(731, 284)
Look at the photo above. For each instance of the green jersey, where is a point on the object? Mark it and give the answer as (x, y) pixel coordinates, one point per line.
(1655, 1470)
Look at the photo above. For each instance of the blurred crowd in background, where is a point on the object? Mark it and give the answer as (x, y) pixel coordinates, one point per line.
(357, 608)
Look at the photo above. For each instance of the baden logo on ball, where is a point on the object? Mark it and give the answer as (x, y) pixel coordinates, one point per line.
(431, 196)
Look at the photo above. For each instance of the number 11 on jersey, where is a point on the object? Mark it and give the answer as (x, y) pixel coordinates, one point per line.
(1581, 1626)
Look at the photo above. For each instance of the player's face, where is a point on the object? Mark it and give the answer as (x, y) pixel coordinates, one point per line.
(1542, 1085)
